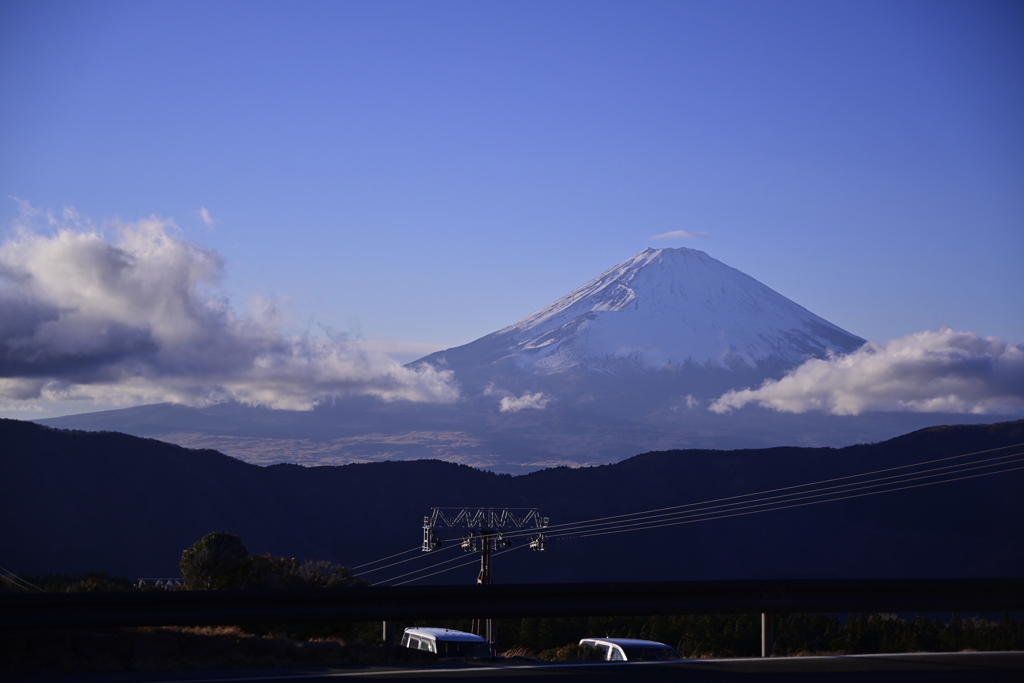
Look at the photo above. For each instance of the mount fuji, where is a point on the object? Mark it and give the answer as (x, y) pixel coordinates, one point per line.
(673, 311)
(627, 363)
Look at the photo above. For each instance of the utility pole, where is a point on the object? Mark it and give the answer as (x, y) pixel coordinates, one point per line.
(482, 533)
(485, 629)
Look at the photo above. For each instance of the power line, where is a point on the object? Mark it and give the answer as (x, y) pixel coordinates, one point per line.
(779, 505)
(575, 525)
(634, 521)
(18, 581)
(411, 559)
(422, 569)
(790, 497)
(455, 567)
(784, 507)
(404, 552)
(441, 571)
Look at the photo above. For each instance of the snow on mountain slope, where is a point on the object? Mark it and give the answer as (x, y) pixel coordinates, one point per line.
(662, 309)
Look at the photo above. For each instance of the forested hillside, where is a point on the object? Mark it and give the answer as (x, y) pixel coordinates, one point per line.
(77, 501)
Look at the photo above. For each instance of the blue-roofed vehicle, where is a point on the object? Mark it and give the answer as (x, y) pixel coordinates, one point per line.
(630, 649)
(445, 643)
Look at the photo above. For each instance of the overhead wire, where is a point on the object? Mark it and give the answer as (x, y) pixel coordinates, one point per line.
(473, 561)
(411, 559)
(579, 524)
(555, 527)
(18, 581)
(784, 507)
(15, 582)
(440, 571)
(725, 515)
(797, 495)
(404, 552)
(636, 521)
(416, 571)
(791, 500)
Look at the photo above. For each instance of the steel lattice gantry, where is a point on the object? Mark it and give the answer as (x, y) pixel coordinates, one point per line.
(483, 530)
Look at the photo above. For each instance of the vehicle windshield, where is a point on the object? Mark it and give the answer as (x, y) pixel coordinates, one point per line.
(642, 654)
(462, 649)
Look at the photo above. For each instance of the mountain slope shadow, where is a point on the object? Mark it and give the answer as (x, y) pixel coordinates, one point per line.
(127, 505)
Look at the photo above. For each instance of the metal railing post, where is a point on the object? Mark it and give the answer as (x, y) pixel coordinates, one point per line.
(388, 636)
(767, 634)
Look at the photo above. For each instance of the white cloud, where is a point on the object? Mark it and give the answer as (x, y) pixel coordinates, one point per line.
(512, 404)
(205, 217)
(135, 320)
(679, 235)
(403, 352)
(931, 371)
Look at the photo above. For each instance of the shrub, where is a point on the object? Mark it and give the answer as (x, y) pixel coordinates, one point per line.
(268, 571)
(573, 652)
(217, 561)
(220, 561)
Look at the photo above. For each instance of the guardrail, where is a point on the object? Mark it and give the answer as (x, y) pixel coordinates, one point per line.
(181, 608)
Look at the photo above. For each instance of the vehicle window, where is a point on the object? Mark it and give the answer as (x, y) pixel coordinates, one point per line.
(405, 640)
(462, 649)
(616, 655)
(647, 654)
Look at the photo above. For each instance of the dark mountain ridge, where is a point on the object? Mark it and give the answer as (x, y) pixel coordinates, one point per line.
(106, 501)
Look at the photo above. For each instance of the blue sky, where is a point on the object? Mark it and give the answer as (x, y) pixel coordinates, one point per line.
(429, 172)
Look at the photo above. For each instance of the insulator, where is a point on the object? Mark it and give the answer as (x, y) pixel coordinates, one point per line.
(539, 543)
(468, 544)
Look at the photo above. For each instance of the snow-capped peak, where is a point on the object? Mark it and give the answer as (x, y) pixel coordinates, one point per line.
(661, 309)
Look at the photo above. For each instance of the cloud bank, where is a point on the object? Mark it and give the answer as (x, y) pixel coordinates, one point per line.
(136, 320)
(941, 371)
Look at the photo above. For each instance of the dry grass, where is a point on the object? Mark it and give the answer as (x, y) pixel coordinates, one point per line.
(170, 648)
(232, 631)
(572, 653)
